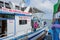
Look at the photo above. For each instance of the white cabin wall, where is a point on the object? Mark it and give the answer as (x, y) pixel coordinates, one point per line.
(23, 29)
(10, 27)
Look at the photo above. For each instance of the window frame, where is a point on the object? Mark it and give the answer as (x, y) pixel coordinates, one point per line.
(12, 16)
(7, 5)
(22, 22)
(17, 7)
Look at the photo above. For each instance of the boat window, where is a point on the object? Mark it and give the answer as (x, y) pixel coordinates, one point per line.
(21, 22)
(17, 7)
(23, 8)
(7, 5)
(1, 4)
(11, 16)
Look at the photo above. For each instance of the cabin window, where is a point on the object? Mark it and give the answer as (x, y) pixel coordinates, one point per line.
(23, 8)
(17, 7)
(21, 22)
(1, 4)
(11, 16)
(7, 5)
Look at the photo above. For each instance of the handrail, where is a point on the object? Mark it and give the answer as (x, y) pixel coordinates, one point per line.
(23, 36)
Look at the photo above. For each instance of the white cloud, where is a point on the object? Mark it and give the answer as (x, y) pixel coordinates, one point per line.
(54, 1)
(45, 6)
(38, 4)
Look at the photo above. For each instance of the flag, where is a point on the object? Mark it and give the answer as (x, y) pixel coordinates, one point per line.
(56, 7)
